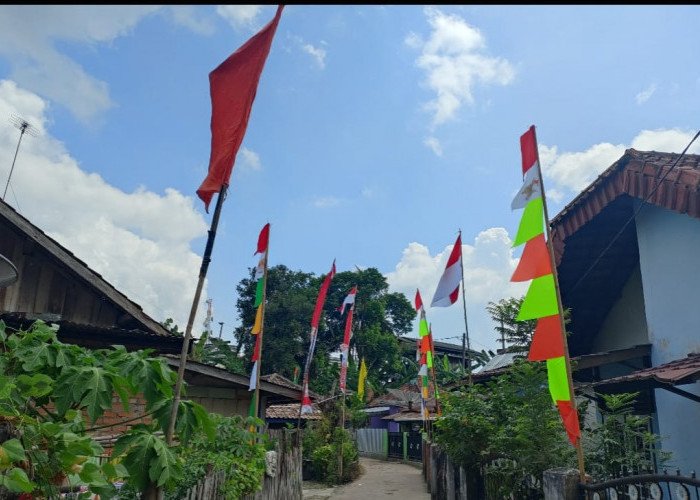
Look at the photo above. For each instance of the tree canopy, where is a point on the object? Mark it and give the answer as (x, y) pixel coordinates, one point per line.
(380, 317)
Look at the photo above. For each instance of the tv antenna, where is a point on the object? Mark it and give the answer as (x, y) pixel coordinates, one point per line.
(24, 128)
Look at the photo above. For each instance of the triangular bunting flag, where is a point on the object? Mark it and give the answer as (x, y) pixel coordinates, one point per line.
(534, 262)
(531, 223)
(547, 341)
(540, 300)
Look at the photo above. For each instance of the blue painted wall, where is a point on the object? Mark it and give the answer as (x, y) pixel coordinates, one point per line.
(669, 258)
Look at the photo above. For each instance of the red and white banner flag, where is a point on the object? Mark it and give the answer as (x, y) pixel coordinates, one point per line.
(448, 286)
(349, 300)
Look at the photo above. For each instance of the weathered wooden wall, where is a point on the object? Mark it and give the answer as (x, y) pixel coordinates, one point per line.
(46, 287)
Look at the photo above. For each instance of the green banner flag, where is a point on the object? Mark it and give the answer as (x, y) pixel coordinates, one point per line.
(531, 224)
(558, 381)
(540, 300)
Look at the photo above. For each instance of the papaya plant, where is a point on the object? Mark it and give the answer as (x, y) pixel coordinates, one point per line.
(51, 394)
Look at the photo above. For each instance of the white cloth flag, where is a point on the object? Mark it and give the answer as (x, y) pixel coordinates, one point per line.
(531, 188)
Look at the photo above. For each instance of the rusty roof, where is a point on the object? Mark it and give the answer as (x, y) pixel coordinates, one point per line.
(408, 416)
(678, 372)
(594, 237)
(291, 412)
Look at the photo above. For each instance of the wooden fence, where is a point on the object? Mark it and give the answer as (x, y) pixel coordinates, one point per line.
(282, 481)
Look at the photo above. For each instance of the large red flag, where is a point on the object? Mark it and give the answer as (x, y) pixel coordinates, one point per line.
(232, 86)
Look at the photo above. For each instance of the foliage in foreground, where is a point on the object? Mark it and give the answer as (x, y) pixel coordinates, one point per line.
(52, 393)
(507, 428)
(323, 442)
(510, 431)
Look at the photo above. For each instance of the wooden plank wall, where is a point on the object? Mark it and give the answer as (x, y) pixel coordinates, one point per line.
(45, 286)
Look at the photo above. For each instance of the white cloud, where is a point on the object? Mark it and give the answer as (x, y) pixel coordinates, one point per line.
(28, 38)
(454, 63)
(248, 160)
(434, 144)
(575, 171)
(241, 16)
(139, 242)
(318, 54)
(572, 172)
(668, 140)
(186, 15)
(488, 266)
(325, 202)
(644, 95)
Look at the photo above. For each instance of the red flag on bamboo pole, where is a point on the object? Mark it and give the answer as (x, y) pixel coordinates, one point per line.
(233, 85)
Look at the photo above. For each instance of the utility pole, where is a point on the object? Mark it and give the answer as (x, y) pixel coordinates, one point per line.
(221, 328)
(464, 349)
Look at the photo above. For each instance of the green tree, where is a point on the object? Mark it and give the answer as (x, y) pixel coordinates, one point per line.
(220, 353)
(518, 334)
(379, 319)
(290, 300)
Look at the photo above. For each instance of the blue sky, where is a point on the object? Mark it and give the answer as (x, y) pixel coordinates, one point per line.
(377, 133)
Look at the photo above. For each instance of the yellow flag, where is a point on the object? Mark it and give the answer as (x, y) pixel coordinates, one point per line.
(361, 381)
(258, 321)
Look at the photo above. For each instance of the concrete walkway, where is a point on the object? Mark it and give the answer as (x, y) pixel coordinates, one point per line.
(379, 479)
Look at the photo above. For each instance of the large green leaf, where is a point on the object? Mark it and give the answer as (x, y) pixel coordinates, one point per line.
(14, 450)
(16, 481)
(34, 386)
(89, 385)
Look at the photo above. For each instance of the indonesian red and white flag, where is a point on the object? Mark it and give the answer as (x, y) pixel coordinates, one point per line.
(448, 286)
(349, 300)
(419, 301)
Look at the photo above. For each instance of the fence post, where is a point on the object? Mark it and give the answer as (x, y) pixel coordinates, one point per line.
(449, 478)
(385, 444)
(405, 445)
(561, 483)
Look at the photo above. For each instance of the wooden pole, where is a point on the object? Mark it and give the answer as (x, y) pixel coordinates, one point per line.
(342, 426)
(193, 312)
(262, 328)
(466, 327)
(579, 448)
(432, 369)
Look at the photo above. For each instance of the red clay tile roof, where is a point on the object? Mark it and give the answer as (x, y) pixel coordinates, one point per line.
(637, 174)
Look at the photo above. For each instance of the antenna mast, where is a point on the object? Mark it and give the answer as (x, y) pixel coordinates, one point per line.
(24, 128)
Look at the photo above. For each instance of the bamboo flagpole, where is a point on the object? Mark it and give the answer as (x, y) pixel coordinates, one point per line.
(260, 299)
(232, 87)
(464, 308)
(193, 312)
(344, 353)
(432, 369)
(543, 299)
(306, 406)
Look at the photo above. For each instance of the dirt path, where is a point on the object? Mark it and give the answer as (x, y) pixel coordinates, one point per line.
(380, 479)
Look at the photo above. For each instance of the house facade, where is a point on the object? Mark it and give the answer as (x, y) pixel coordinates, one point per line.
(626, 251)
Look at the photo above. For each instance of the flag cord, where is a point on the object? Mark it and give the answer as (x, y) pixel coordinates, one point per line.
(634, 214)
(193, 312)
